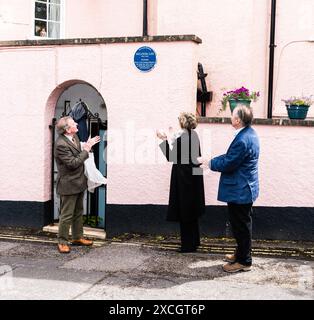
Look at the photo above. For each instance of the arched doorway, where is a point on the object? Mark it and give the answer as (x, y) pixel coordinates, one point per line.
(71, 95)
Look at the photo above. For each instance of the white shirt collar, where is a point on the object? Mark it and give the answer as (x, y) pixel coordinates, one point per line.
(69, 137)
(175, 136)
(238, 131)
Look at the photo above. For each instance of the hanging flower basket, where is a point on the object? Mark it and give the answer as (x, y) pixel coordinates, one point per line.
(233, 103)
(238, 96)
(297, 112)
(297, 107)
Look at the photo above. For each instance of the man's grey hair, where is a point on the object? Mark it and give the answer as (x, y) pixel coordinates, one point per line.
(245, 114)
(62, 125)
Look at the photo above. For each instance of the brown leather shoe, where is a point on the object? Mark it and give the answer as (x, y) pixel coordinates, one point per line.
(230, 258)
(235, 267)
(82, 242)
(63, 248)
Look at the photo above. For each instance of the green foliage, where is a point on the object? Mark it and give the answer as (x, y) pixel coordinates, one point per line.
(299, 101)
(240, 93)
(92, 221)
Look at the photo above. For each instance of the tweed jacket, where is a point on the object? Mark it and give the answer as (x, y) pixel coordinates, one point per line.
(70, 163)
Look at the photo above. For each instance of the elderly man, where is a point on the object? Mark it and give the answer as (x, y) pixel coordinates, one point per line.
(239, 185)
(71, 182)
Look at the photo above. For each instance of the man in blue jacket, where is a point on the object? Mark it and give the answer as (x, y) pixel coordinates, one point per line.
(238, 185)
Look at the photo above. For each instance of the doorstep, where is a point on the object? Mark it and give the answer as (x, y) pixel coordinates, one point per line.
(88, 232)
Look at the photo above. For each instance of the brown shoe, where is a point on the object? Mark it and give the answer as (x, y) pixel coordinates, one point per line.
(82, 242)
(63, 248)
(235, 267)
(230, 258)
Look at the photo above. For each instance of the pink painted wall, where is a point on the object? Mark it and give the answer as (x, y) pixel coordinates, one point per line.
(137, 171)
(15, 19)
(294, 69)
(30, 90)
(285, 167)
(235, 51)
(25, 89)
(235, 36)
(81, 19)
(110, 18)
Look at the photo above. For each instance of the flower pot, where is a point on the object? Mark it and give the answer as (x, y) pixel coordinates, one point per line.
(297, 112)
(237, 102)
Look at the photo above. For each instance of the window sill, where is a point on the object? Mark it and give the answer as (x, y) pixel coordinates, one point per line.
(270, 122)
(37, 41)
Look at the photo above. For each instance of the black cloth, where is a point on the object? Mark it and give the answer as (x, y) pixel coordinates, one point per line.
(82, 129)
(79, 115)
(190, 235)
(186, 198)
(240, 217)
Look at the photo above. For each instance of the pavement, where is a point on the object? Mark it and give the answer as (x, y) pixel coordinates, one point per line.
(138, 268)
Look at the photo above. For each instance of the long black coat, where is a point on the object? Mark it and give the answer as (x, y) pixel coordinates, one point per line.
(186, 198)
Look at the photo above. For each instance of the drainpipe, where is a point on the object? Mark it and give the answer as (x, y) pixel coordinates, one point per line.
(145, 18)
(272, 47)
(52, 128)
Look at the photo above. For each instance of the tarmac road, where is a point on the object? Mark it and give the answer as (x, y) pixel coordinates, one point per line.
(119, 271)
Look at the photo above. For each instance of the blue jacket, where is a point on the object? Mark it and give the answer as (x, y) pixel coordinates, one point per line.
(239, 169)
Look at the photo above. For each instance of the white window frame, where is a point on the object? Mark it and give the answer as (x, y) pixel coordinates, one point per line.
(62, 21)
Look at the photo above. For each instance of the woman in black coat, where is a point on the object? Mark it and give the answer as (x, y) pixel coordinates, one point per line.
(186, 198)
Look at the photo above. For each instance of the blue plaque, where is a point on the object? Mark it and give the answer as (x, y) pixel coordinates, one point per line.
(145, 59)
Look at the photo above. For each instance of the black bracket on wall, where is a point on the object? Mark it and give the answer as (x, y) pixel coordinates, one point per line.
(203, 95)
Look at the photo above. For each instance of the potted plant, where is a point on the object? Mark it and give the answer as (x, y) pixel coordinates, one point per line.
(239, 96)
(298, 107)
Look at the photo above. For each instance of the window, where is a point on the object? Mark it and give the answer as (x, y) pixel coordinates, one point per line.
(47, 18)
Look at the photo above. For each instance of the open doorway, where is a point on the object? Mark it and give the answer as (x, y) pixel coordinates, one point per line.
(93, 121)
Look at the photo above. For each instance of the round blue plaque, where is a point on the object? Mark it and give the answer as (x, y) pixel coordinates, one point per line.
(145, 59)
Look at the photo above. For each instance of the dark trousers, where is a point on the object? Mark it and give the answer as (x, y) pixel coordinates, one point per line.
(240, 217)
(71, 214)
(190, 235)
